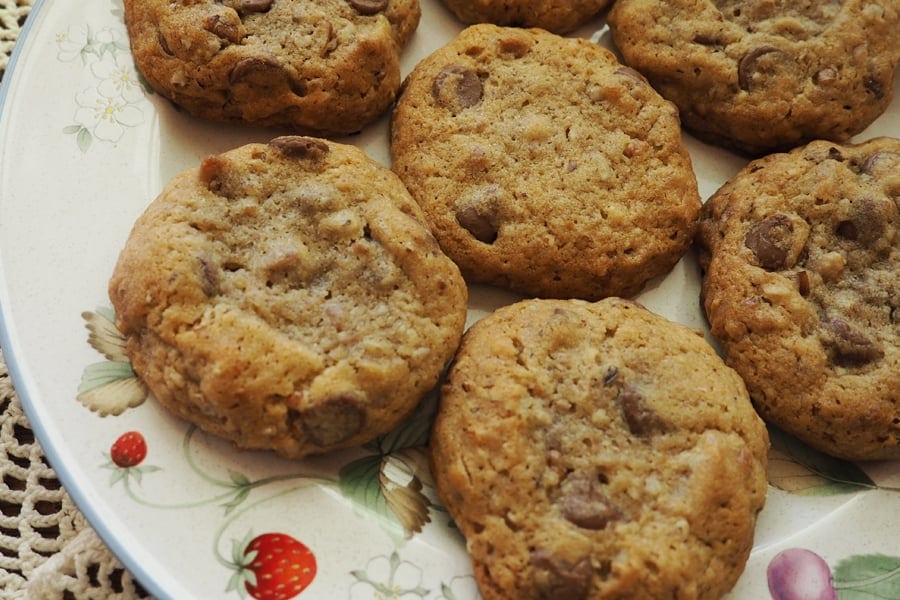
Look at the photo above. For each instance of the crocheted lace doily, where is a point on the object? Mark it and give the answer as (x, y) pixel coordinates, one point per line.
(47, 550)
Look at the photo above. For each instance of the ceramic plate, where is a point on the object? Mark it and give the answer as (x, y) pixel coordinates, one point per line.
(84, 149)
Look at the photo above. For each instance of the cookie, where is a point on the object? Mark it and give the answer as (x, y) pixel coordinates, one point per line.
(765, 76)
(544, 165)
(288, 296)
(558, 17)
(323, 68)
(597, 450)
(801, 253)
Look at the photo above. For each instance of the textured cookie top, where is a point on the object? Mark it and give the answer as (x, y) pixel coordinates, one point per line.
(802, 287)
(544, 165)
(598, 451)
(325, 67)
(765, 75)
(288, 296)
(552, 15)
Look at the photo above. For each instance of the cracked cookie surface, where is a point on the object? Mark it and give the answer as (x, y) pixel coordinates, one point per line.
(288, 296)
(597, 450)
(801, 253)
(325, 68)
(765, 75)
(544, 165)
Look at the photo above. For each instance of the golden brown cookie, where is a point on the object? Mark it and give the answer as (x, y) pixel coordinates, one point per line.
(765, 75)
(597, 450)
(288, 296)
(544, 165)
(802, 289)
(327, 67)
(552, 15)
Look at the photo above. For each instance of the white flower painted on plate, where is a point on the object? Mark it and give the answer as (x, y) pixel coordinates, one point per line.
(460, 588)
(388, 578)
(82, 42)
(118, 80)
(106, 116)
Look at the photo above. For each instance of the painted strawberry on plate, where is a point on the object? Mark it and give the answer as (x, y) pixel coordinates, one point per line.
(271, 566)
(129, 450)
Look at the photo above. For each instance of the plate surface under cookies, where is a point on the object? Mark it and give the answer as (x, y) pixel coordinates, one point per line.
(72, 182)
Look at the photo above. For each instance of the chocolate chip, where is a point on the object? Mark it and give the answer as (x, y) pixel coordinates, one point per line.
(221, 27)
(847, 230)
(482, 226)
(640, 418)
(368, 7)
(867, 222)
(707, 39)
(209, 277)
(612, 373)
(631, 74)
(803, 284)
(825, 76)
(875, 87)
(849, 346)
(210, 173)
(557, 578)
(770, 240)
(882, 163)
(583, 503)
(298, 146)
(333, 420)
(254, 66)
(457, 88)
(254, 6)
(164, 44)
(747, 65)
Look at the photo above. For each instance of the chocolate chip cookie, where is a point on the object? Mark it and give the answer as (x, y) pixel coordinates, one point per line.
(597, 450)
(288, 296)
(327, 67)
(765, 75)
(544, 165)
(558, 17)
(802, 288)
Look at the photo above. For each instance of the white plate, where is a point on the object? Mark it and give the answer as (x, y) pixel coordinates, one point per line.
(74, 180)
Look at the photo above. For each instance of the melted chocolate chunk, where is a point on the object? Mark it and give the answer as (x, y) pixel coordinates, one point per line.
(849, 346)
(229, 31)
(298, 146)
(770, 241)
(583, 503)
(368, 7)
(639, 417)
(457, 87)
(483, 227)
(249, 68)
(748, 64)
(556, 578)
(333, 420)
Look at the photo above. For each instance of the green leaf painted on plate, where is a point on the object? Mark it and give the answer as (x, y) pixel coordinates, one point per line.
(359, 481)
(103, 335)
(414, 431)
(109, 388)
(84, 139)
(867, 576)
(796, 468)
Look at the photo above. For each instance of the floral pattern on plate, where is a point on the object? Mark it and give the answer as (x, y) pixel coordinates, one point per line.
(394, 484)
(115, 100)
